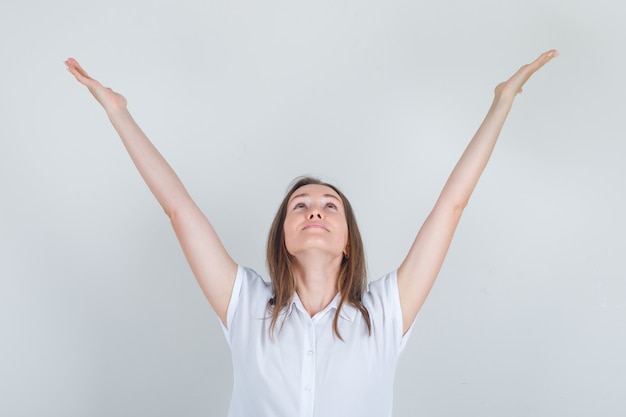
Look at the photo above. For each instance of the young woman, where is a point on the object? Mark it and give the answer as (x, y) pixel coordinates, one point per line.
(314, 342)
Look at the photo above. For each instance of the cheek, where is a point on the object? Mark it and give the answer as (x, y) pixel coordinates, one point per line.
(344, 232)
(287, 234)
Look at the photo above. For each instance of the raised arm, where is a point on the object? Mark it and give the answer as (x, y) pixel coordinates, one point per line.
(212, 266)
(420, 268)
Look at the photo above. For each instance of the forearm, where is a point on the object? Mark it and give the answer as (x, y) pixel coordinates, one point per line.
(210, 262)
(419, 269)
(465, 175)
(153, 168)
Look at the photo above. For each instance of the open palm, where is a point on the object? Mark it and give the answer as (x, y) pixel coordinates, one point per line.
(108, 98)
(514, 85)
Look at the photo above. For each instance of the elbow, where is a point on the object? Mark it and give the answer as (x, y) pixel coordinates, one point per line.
(460, 205)
(457, 209)
(453, 205)
(177, 207)
(172, 211)
(183, 210)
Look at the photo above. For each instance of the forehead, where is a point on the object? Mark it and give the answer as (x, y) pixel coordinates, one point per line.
(315, 190)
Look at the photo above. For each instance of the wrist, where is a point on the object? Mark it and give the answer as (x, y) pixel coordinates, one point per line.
(503, 99)
(116, 110)
(118, 115)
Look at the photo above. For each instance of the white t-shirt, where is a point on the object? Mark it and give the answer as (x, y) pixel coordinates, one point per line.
(306, 370)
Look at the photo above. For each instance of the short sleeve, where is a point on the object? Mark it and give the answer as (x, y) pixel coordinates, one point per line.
(383, 303)
(232, 304)
(248, 300)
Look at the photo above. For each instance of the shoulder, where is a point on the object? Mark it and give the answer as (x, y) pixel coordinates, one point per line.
(249, 283)
(383, 290)
(382, 301)
(250, 294)
(251, 277)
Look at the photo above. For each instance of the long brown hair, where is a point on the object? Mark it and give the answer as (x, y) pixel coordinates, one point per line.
(352, 279)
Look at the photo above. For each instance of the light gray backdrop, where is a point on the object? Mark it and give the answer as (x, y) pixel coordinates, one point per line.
(99, 313)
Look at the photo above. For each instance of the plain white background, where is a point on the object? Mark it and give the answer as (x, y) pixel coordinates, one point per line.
(99, 313)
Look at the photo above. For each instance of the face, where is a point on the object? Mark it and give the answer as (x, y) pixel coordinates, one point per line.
(316, 221)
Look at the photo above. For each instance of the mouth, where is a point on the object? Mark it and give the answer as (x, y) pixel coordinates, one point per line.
(314, 225)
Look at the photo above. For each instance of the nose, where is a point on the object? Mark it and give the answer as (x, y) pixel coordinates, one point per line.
(315, 214)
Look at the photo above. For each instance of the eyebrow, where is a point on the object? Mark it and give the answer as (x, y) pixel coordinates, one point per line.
(308, 195)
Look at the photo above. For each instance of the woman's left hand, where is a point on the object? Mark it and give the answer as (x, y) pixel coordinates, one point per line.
(514, 85)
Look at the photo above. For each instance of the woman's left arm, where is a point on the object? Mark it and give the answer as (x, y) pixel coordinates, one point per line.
(420, 268)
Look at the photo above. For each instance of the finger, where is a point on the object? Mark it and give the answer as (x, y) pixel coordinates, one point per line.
(552, 53)
(71, 63)
(80, 74)
(75, 67)
(516, 82)
(526, 71)
(543, 59)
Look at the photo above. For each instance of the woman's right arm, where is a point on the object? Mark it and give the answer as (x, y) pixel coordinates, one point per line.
(211, 264)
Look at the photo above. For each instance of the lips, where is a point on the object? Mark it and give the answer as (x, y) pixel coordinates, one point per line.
(315, 225)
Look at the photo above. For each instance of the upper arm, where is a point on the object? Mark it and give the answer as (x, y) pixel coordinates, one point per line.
(210, 263)
(418, 271)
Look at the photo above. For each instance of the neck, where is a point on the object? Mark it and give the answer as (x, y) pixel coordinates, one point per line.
(316, 281)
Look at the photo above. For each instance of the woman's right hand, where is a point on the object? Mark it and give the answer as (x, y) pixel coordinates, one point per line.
(108, 98)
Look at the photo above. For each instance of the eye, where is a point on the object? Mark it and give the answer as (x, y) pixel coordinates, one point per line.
(298, 206)
(332, 206)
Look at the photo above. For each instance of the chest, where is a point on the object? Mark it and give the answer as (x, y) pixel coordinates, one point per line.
(307, 364)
